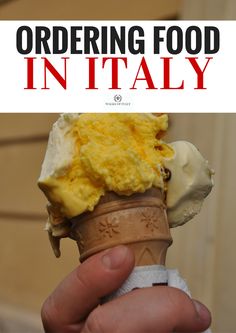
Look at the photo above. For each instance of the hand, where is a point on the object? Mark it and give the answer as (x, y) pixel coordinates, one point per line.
(74, 305)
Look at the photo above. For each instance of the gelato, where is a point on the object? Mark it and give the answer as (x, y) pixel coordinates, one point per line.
(92, 155)
(190, 182)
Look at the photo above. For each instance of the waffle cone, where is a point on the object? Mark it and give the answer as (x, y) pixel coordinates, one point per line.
(138, 221)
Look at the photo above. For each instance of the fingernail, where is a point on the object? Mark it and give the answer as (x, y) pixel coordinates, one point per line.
(115, 257)
(202, 311)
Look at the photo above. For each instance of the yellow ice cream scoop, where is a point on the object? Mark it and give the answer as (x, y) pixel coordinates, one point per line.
(91, 154)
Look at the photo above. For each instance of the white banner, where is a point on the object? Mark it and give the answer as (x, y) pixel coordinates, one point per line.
(117, 66)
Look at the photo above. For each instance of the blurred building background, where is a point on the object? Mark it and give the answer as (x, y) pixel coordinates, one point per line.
(112, 10)
(88, 10)
(208, 10)
(203, 250)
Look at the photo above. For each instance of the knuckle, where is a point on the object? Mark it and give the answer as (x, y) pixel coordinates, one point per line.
(47, 314)
(82, 279)
(94, 323)
(176, 297)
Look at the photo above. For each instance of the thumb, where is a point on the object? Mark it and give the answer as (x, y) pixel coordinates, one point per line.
(81, 291)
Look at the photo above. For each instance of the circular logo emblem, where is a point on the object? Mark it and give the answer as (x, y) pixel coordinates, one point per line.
(117, 98)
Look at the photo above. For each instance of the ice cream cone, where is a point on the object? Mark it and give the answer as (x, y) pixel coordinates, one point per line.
(138, 221)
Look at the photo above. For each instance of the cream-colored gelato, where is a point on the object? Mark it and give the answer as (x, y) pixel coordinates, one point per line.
(191, 181)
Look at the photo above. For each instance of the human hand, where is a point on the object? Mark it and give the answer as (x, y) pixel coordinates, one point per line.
(74, 307)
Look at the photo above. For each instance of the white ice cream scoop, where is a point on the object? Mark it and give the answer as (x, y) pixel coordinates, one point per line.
(60, 149)
(191, 181)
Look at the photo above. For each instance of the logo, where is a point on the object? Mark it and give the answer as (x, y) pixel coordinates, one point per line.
(117, 98)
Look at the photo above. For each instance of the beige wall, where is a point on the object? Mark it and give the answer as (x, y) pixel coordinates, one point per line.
(209, 10)
(85, 10)
(203, 250)
(25, 253)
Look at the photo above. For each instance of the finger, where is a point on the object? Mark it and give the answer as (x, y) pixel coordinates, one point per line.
(149, 310)
(81, 291)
